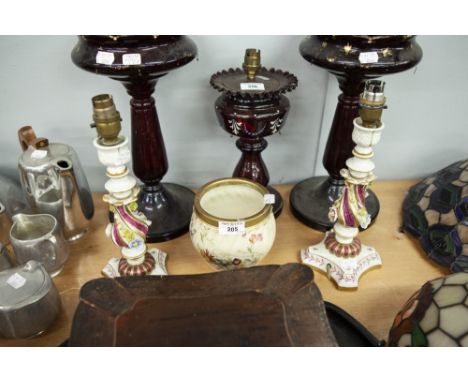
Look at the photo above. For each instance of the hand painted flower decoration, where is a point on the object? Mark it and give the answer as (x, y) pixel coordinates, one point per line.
(255, 237)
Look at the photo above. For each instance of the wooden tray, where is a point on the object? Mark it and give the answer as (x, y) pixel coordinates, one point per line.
(261, 306)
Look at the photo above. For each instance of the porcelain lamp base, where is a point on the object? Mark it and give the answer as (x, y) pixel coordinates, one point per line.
(345, 271)
(312, 198)
(112, 267)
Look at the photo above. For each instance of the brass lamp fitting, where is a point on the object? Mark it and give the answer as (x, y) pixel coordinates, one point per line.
(372, 103)
(106, 120)
(251, 63)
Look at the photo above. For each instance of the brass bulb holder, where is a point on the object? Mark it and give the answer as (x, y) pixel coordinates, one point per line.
(372, 103)
(106, 120)
(251, 63)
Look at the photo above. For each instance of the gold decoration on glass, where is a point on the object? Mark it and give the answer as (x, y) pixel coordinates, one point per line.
(347, 48)
(386, 52)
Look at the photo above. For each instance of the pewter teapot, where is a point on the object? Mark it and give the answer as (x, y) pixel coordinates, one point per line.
(54, 183)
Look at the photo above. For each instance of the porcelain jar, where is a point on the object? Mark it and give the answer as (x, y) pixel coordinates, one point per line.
(232, 204)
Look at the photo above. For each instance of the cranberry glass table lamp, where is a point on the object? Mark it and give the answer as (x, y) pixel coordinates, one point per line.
(138, 62)
(353, 60)
(253, 107)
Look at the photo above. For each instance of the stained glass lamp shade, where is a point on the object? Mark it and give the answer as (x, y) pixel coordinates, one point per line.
(436, 211)
(436, 315)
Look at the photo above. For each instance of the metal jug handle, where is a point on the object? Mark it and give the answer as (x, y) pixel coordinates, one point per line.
(27, 137)
(67, 180)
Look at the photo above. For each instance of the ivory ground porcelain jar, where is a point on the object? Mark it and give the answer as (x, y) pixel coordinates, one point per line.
(231, 225)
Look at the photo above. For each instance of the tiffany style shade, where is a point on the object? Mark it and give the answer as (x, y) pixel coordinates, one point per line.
(436, 211)
(436, 315)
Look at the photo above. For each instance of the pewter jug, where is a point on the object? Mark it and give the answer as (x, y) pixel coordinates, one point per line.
(39, 237)
(54, 182)
(29, 301)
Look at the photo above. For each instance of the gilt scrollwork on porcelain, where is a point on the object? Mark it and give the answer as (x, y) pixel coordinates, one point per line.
(128, 230)
(347, 276)
(128, 226)
(350, 208)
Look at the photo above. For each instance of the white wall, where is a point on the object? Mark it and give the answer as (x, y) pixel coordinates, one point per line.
(425, 120)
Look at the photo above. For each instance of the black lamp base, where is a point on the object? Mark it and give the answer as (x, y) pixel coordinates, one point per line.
(169, 206)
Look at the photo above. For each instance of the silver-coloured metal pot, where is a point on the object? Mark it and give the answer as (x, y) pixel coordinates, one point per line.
(54, 182)
(40, 238)
(29, 301)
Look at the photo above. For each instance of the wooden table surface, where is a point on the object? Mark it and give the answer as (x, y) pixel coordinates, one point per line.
(381, 293)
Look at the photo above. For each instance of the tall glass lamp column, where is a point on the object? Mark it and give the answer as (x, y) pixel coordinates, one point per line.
(138, 62)
(353, 60)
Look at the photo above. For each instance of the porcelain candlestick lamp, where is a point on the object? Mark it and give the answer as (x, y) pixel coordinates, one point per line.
(340, 254)
(127, 227)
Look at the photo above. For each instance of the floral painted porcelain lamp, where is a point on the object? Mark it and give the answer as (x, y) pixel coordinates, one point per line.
(127, 226)
(341, 254)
